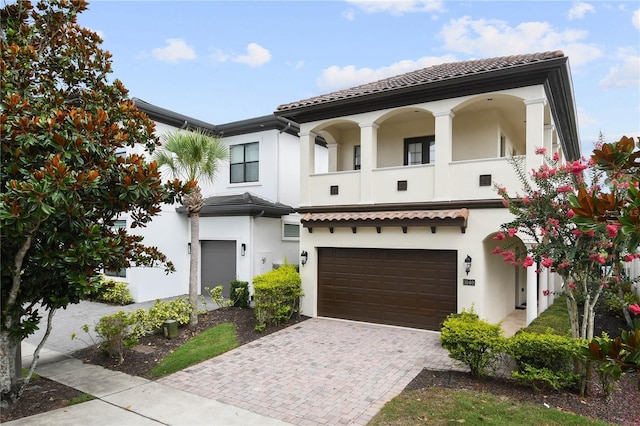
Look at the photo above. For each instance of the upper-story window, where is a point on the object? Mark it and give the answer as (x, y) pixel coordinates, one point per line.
(245, 162)
(356, 157)
(420, 150)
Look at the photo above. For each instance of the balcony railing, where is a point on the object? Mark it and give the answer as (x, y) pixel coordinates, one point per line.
(465, 180)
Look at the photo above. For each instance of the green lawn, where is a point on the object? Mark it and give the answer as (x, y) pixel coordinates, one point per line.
(437, 406)
(208, 344)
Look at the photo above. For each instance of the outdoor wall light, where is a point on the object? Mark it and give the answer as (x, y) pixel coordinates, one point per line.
(303, 257)
(243, 249)
(467, 264)
(189, 248)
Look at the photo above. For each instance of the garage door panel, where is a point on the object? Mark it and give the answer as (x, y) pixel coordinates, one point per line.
(414, 288)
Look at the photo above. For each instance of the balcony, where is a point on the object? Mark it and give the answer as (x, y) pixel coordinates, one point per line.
(464, 180)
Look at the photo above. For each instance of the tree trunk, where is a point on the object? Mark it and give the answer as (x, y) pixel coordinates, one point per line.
(9, 384)
(193, 268)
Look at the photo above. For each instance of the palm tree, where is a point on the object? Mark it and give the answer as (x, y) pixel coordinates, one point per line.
(192, 156)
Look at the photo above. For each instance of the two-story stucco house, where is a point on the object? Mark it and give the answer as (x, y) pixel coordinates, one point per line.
(248, 223)
(399, 228)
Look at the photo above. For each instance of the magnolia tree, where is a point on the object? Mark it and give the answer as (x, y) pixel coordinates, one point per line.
(545, 217)
(64, 180)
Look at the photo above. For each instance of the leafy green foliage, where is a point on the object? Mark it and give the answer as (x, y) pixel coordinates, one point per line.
(63, 122)
(115, 330)
(206, 345)
(545, 359)
(217, 297)
(111, 291)
(474, 342)
(240, 293)
(277, 295)
(151, 321)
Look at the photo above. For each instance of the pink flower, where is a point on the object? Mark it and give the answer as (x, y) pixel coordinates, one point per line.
(628, 257)
(554, 222)
(499, 236)
(527, 262)
(545, 292)
(576, 232)
(512, 231)
(591, 233)
(508, 256)
(526, 200)
(565, 188)
(634, 309)
(612, 231)
(571, 213)
(576, 167)
(572, 286)
(541, 151)
(497, 250)
(598, 258)
(556, 156)
(547, 262)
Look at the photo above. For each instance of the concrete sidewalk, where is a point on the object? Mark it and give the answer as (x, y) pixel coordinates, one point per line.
(128, 400)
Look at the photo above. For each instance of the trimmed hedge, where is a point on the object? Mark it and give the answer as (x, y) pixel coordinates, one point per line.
(277, 296)
(472, 341)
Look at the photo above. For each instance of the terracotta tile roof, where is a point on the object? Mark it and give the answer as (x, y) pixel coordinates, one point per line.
(428, 75)
(430, 218)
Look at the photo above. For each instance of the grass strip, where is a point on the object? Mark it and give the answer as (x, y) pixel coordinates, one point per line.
(555, 318)
(206, 345)
(437, 406)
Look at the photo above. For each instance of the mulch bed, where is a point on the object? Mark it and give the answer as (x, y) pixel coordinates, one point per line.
(621, 408)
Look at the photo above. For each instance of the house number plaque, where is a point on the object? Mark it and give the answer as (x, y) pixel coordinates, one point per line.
(468, 282)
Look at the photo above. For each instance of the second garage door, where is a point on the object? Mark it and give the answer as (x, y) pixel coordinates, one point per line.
(410, 288)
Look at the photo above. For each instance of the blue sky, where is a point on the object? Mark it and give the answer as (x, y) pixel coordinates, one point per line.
(223, 61)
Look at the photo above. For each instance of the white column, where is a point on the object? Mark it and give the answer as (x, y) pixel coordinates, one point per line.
(332, 151)
(444, 145)
(307, 165)
(535, 131)
(548, 138)
(368, 160)
(543, 303)
(532, 294)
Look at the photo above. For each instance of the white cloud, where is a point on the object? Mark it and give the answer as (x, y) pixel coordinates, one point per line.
(176, 50)
(397, 7)
(256, 56)
(635, 19)
(626, 72)
(336, 78)
(349, 14)
(218, 56)
(490, 38)
(579, 9)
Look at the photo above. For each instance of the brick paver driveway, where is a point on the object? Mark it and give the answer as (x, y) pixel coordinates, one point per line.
(319, 372)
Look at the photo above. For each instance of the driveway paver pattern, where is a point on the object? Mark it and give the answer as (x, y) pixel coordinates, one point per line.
(319, 372)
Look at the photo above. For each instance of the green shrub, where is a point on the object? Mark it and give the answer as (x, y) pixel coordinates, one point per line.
(115, 329)
(240, 293)
(217, 297)
(114, 292)
(474, 342)
(276, 296)
(612, 301)
(545, 359)
(151, 321)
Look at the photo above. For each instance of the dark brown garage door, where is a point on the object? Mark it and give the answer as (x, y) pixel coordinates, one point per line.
(410, 288)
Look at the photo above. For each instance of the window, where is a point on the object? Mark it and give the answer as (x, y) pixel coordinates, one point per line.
(356, 157)
(420, 150)
(503, 146)
(118, 224)
(245, 162)
(290, 231)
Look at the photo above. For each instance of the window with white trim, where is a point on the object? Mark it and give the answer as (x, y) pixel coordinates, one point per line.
(290, 231)
(420, 150)
(245, 162)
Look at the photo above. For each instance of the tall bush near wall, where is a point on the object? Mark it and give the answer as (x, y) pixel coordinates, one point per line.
(276, 296)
